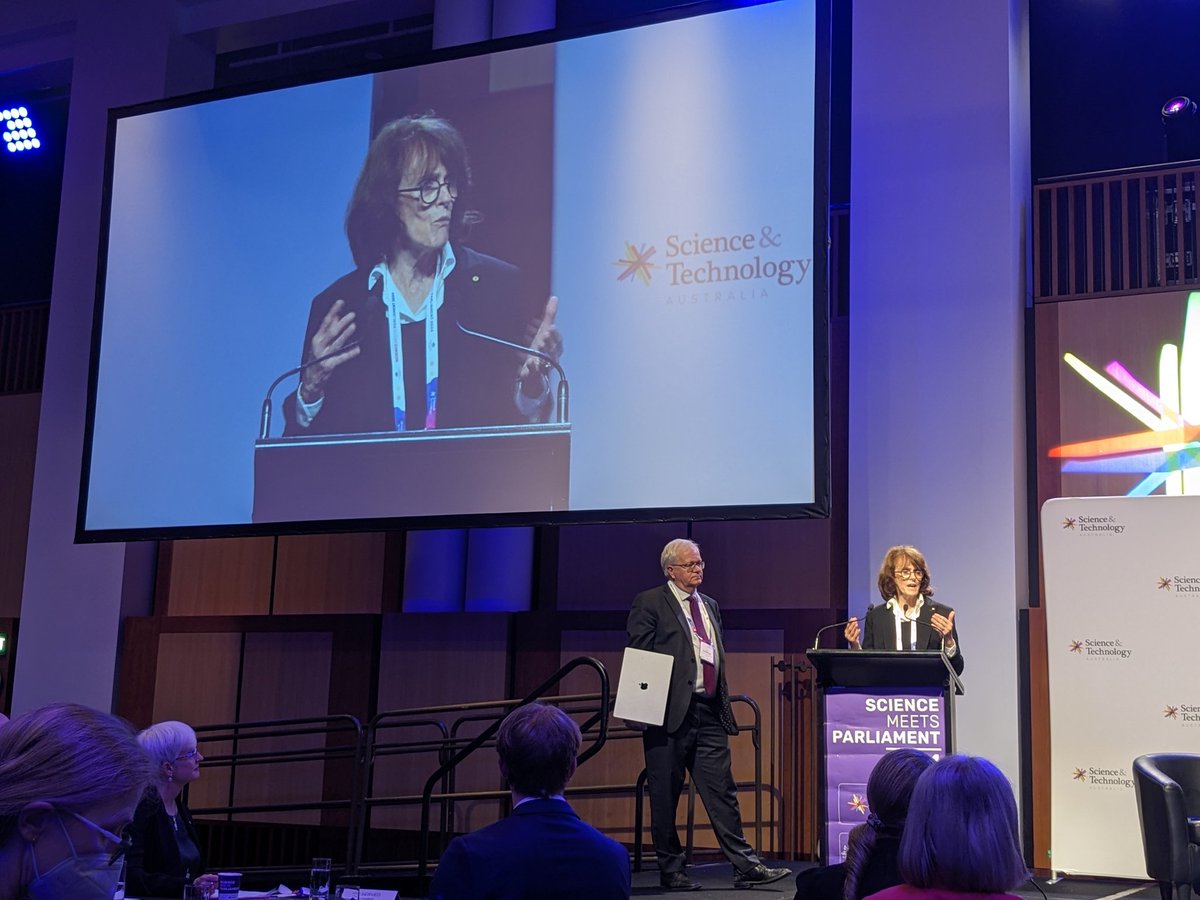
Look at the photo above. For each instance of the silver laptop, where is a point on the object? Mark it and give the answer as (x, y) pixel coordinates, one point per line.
(642, 690)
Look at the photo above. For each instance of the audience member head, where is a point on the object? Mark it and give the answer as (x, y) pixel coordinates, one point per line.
(961, 832)
(70, 779)
(172, 749)
(538, 744)
(888, 792)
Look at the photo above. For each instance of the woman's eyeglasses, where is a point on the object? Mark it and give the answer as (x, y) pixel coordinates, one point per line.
(430, 190)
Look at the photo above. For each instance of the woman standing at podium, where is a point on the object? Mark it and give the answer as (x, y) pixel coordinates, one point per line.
(908, 619)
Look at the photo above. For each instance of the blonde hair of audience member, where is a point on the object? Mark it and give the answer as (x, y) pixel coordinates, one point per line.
(961, 831)
(70, 778)
(889, 790)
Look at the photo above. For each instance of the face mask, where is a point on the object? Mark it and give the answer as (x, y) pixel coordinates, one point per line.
(87, 876)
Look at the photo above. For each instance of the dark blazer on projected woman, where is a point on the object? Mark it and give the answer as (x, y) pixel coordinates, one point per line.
(879, 630)
(477, 381)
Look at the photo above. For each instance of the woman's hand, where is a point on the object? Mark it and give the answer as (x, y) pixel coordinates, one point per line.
(547, 338)
(335, 332)
(943, 624)
(853, 634)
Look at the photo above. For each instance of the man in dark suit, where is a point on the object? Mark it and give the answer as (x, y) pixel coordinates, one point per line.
(678, 620)
(542, 850)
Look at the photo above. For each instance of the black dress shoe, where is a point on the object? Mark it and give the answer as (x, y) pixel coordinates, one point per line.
(760, 874)
(677, 881)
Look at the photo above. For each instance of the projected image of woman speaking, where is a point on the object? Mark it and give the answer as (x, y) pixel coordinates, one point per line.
(383, 350)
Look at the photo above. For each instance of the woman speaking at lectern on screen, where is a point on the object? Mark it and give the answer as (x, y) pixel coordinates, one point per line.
(908, 619)
(383, 350)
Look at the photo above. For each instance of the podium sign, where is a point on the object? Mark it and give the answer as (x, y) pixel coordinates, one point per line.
(861, 725)
(871, 703)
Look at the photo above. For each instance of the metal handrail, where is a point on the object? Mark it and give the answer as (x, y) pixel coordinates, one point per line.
(246, 732)
(757, 786)
(487, 733)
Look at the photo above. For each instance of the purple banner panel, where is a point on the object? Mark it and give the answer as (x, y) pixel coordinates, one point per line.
(862, 724)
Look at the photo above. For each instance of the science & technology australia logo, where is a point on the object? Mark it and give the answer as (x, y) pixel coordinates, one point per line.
(1180, 584)
(1103, 779)
(1099, 649)
(714, 266)
(1183, 713)
(1093, 525)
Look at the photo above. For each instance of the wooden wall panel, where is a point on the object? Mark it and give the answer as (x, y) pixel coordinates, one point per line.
(330, 573)
(217, 576)
(430, 659)
(284, 676)
(197, 682)
(755, 565)
(603, 566)
(18, 447)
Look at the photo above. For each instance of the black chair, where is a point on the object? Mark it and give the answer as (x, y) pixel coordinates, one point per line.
(1168, 798)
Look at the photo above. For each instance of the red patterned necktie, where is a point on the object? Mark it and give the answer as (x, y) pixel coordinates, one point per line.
(710, 670)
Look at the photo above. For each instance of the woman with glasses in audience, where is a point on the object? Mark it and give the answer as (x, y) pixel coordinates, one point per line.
(164, 853)
(960, 839)
(70, 779)
(383, 350)
(908, 619)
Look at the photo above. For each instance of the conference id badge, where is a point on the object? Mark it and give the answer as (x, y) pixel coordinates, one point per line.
(706, 653)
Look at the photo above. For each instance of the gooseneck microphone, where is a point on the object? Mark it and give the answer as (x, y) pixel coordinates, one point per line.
(264, 421)
(561, 411)
(825, 628)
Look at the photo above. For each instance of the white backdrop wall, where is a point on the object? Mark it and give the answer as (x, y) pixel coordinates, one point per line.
(939, 188)
(1122, 588)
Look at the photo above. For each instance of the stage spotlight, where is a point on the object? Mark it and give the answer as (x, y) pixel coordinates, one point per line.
(19, 134)
(1181, 129)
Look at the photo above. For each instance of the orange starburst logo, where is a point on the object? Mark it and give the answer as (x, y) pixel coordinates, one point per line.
(1076, 646)
(1069, 523)
(1079, 774)
(1164, 584)
(858, 804)
(636, 261)
(1171, 712)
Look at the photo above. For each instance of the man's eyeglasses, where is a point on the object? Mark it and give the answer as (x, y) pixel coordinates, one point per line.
(691, 566)
(909, 573)
(430, 190)
(123, 841)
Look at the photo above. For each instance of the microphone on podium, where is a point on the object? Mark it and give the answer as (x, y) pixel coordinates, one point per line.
(825, 628)
(264, 418)
(561, 408)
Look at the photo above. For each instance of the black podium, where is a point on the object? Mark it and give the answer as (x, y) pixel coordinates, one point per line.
(870, 702)
(439, 472)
